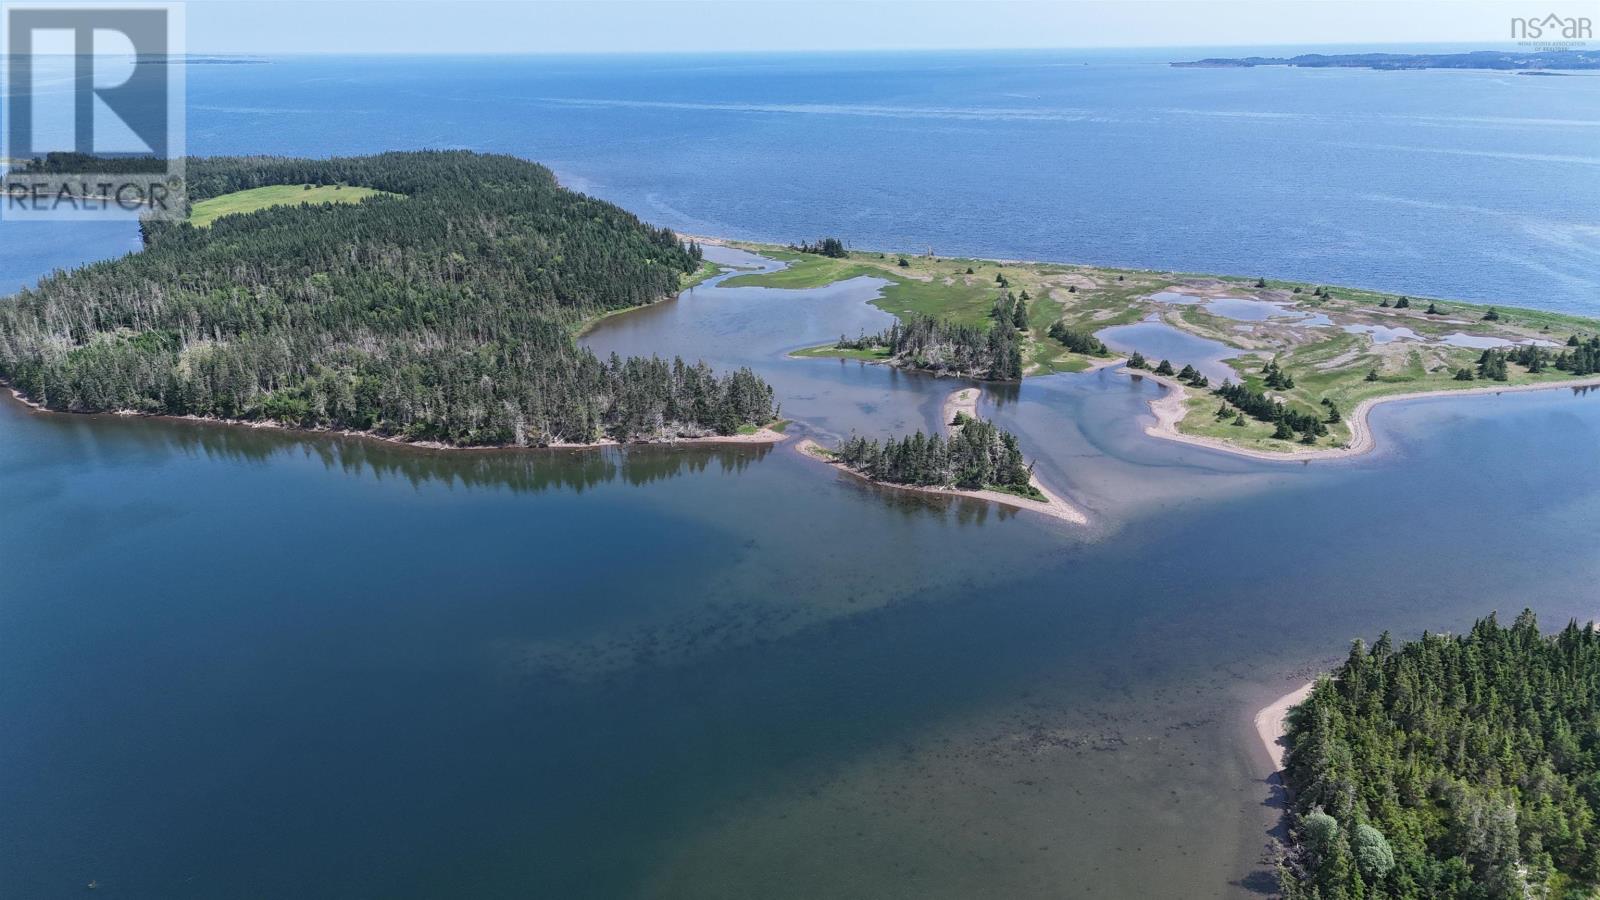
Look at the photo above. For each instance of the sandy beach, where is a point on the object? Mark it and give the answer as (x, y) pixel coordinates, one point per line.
(962, 401)
(1171, 407)
(1273, 722)
(1052, 506)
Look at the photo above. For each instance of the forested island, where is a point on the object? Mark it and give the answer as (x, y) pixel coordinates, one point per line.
(1452, 766)
(976, 459)
(977, 456)
(1512, 60)
(437, 307)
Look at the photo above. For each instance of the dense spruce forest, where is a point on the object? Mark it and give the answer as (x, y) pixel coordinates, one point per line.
(978, 455)
(1453, 766)
(444, 314)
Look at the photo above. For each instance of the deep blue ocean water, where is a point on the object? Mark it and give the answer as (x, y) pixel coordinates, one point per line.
(1477, 185)
(237, 663)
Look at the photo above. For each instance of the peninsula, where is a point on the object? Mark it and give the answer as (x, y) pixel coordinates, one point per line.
(1268, 368)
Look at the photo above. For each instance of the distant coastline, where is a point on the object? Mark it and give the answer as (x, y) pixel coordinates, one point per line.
(1542, 62)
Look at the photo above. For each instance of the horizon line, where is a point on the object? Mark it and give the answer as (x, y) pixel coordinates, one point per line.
(817, 51)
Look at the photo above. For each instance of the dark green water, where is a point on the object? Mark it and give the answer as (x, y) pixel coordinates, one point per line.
(240, 663)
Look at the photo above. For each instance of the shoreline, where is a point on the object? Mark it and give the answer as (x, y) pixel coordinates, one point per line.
(1171, 408)
(1272, 724)
(1053, 506)
(766, 434)
(962, 401)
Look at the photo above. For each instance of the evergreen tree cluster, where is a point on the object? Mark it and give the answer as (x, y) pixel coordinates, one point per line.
(1013, 308)
(1580, 357)
(1464, 766)
(1275, 378)
(1188, 374)
(1492, 365)
(1191, 376)
(1289, 421)
(443, 314)
(978, 455)
(829, 247)
(72, 162)
(1078, 341)
(938, 345)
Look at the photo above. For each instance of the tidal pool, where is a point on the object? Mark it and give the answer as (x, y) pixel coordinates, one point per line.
(1384, 334)
(1488, 342)
(1242, 310)
(1158, 340)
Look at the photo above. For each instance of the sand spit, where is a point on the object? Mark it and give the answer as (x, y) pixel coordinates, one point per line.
(1171, 407)
(1272, 723)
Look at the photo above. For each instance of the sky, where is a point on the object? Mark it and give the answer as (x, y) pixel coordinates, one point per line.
(657, 26)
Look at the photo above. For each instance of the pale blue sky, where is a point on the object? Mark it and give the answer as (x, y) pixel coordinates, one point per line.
(604, 26)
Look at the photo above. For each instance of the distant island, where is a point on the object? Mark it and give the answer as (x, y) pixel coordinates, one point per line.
(1508, 60)
(426, 298)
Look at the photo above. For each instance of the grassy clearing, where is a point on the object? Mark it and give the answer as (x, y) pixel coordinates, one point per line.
(940, 287)
(708, 269)
(205, 212)
(829, 351)
(805, 270)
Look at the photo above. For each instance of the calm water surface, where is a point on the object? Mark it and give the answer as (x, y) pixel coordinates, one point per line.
(245, 663)
(1157, 340)
(330, 667)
